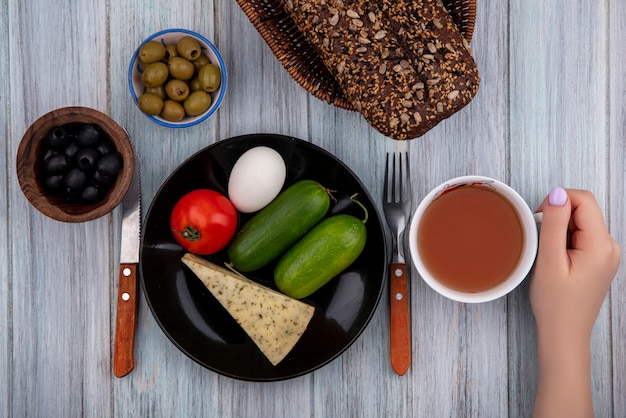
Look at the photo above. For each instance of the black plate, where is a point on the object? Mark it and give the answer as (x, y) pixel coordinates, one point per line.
(197, 324)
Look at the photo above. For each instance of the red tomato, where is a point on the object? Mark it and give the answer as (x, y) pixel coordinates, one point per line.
(203, 221)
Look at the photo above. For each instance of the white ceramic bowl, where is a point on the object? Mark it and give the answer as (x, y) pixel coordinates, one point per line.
(172, 36)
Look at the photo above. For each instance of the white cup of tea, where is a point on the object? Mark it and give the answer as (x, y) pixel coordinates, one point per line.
(473, 239)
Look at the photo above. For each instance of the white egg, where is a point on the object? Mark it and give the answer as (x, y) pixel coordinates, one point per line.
(256, 179)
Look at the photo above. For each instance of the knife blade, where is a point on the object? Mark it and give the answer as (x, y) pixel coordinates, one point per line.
(126, 314)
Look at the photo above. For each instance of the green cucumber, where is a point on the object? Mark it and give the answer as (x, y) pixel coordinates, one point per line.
(277, 226)
(324, 252)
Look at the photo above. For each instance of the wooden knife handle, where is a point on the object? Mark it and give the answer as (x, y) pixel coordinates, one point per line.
(126, 317)
(400, 326)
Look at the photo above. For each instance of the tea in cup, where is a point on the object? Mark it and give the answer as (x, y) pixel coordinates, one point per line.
(473, 239)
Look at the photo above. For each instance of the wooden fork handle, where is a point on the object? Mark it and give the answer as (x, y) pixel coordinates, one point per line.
(400, 326)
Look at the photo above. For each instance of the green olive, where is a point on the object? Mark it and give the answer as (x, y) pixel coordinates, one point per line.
(189, 48)
(150, 103)
(180, 68)
(194, 84)
(210, 77)
(170, 52)
(155, 74)
(158, 90)
(201, 61)
(151, 51)
(172, 111)
(177, 90)
(197, 103)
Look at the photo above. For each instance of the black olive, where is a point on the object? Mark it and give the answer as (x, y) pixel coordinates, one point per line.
(109, 165)
(56, 164)
(58, 137)
(90, 193)
(102, 179)
(71, 149)
(54, 182)
(46, 152)
(89, 135)
(75, 179)
(104, 147)
(87, 158)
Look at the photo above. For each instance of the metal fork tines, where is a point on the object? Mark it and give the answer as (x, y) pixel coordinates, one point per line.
(397, 201)
(397, 208)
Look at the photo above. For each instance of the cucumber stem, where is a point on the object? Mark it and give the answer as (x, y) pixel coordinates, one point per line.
(330, 192)
(353, 198)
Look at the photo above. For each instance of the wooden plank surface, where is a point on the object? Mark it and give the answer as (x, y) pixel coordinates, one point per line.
(58, 351)
(558, 133)
(5, 246)
(550, 111)
(616, 204)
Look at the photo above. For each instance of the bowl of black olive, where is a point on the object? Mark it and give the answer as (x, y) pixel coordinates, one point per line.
(75, 164)
(177, 78)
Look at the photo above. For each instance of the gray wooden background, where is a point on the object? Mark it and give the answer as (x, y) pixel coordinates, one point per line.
(550, 111)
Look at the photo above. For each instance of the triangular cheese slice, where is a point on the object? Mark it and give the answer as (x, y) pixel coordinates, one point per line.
(274, 321)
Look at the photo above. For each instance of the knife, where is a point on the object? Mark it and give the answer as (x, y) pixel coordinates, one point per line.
(126, 315)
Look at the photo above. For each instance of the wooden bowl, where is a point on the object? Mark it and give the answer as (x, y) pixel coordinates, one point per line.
(28, 165)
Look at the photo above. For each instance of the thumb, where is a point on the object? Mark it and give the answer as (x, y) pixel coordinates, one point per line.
(557, 211)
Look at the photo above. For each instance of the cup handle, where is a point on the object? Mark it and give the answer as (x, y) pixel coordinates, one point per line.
(538, 217)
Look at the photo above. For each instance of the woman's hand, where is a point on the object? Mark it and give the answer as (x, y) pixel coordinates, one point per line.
(576, 263)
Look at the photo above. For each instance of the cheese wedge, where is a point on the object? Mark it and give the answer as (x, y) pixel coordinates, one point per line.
(274, 321)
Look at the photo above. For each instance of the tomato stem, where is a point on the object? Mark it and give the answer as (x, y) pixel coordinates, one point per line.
(190, 233)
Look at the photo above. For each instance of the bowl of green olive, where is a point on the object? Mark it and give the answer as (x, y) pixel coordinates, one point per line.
(177, 78)
(75, 164)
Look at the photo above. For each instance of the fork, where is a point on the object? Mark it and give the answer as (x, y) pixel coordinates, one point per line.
(397, 209)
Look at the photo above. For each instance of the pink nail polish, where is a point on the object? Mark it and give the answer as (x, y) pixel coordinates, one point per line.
(557, 196)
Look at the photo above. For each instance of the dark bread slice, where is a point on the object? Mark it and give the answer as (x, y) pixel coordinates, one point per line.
(403, 65)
